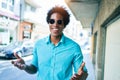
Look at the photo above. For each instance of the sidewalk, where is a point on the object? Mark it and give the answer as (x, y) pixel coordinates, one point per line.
(89, 65)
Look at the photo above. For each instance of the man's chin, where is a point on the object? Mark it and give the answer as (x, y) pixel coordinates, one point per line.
(55, 35)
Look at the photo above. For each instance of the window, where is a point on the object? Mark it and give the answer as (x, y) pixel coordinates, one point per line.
(11, 5)
(33, 9)
(28, 27)
(26, 34)
(8, 5)
(4, 5)
(30, 8)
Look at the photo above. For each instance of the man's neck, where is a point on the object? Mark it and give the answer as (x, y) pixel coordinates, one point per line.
(55, 39)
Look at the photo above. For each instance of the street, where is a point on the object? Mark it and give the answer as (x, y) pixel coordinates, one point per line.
(9, 72)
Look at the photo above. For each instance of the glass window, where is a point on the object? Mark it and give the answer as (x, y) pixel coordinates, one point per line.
(11, 8)
(26, 34)
(28, 27)
(4, 5)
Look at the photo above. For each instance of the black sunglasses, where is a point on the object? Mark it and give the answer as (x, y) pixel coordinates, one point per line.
(52, 21)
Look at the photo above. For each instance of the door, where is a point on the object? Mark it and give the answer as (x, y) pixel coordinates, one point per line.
(112, 52)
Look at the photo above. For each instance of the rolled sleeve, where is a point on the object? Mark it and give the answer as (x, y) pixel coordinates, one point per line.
(78, 59)
(35, 58)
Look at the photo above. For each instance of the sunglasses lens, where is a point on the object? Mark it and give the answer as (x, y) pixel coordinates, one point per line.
(59, 21)
(52, 21)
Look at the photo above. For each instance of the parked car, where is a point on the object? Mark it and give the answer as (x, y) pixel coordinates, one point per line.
(24, 47)
(1, 49)
(2, 46)
(27, 47)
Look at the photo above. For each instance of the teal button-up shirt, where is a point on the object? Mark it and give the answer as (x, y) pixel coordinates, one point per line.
(56, 62)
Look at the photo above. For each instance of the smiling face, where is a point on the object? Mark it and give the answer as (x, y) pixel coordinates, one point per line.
(56, 24)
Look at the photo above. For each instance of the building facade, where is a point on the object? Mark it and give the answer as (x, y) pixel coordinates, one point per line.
(106, 41)
(15, 22)
(9, 18)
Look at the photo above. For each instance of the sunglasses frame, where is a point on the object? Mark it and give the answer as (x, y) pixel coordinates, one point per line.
(59, 22)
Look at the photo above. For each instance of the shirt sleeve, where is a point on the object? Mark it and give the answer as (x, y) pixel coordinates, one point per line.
(35, 58)
(78, 59)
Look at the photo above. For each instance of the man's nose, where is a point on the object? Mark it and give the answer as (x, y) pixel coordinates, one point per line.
(55, 24)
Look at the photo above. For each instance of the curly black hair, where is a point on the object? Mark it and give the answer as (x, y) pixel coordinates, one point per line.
(60, 10)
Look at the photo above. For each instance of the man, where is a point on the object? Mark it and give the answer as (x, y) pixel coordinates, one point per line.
(55, 56)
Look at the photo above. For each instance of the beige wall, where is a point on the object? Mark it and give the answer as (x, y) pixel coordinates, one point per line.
(21, 29)
(107, 8)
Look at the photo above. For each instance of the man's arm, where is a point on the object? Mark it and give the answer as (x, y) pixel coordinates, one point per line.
(31, 69)
(81, 75)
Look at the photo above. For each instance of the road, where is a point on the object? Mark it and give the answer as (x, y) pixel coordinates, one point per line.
(89, 65)
(9, 72)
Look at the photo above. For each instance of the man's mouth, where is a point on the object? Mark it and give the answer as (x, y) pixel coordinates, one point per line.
(55, 29)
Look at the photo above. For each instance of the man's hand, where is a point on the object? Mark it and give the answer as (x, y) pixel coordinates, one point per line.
(19, 62)
(81, 75)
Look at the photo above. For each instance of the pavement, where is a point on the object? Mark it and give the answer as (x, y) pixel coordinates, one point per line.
(89, 66)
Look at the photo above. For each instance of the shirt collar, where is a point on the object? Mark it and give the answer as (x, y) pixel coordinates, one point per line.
(61, 41)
